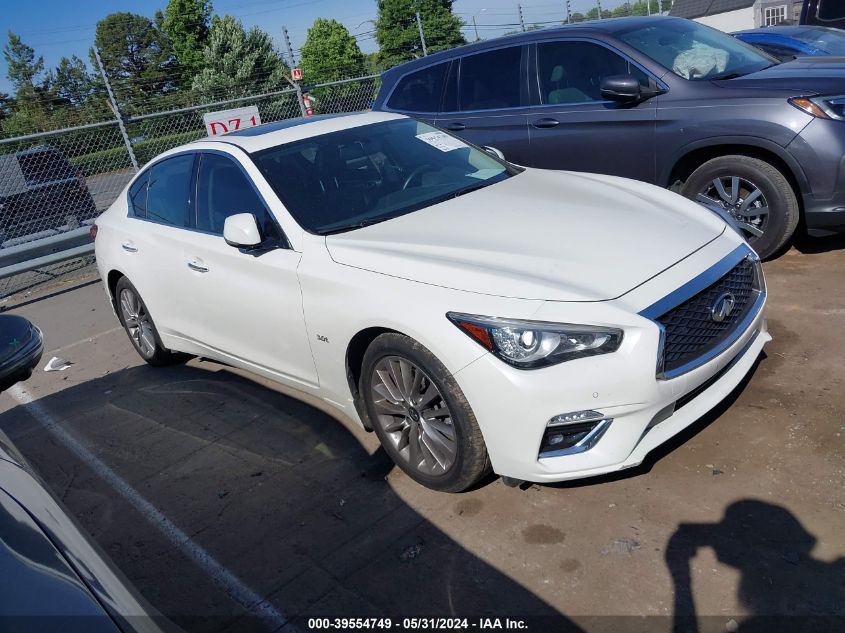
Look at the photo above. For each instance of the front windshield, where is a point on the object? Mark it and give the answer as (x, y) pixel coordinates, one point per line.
(694, 51)
(348, 179)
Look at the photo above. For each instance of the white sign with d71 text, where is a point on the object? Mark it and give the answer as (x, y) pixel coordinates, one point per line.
(225, 121)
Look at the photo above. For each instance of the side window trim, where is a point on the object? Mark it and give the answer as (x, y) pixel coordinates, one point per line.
(524, 93)
(661, 85)
(145, 173)
(283, 241)
(130, 203)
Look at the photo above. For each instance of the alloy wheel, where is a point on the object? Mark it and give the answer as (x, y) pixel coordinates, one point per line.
(742, 199)
(414, 415)
(138, 323)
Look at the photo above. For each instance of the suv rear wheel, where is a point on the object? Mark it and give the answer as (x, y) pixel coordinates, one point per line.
(755, 193)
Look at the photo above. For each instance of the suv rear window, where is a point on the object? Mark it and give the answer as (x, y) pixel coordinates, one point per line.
(491, 80)
(44, 166)
(420, 91)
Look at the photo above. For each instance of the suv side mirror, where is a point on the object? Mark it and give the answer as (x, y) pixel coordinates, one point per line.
(621, 88)
(241, 231)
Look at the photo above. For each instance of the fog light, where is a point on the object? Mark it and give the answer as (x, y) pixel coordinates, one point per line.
(573, 433)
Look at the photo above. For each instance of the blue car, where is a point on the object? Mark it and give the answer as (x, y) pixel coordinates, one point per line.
(789, 42)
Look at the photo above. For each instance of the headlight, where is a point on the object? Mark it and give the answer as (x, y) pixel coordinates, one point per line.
(822, 107)
(531, 344)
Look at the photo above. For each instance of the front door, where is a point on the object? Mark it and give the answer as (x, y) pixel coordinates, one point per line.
(573, 128)
(244, 305)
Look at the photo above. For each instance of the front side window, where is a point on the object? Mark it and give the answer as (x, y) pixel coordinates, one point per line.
(420, 91)
(571, 72)
(168, 192)
(138, 196)
(352, 178)
(491, 80)
(224, 190)
(694, 51)
(774, 15)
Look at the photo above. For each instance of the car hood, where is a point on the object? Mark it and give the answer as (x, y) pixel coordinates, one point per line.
(539, 235)
(817, 75)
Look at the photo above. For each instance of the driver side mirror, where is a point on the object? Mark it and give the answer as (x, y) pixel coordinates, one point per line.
(496, 152)
(241, 231)
(621, 88)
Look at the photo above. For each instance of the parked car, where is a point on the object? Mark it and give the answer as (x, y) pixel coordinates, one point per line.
(474, 314)
(660, 99)
(41, 190)
(788, 42)
(54, 577)
(823, 13)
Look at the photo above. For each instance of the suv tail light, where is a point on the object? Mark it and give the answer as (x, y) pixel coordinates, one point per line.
(93, 232)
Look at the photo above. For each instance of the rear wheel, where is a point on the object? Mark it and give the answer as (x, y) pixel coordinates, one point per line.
(421, 416)
(138, 323)
(755, 193)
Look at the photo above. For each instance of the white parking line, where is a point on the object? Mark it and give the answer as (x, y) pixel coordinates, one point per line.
(222, 577)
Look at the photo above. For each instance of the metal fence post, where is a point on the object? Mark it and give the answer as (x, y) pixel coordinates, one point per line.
(568, 12)
(422, 35)
(521, 21)
(296, 85)
(598, 4)
(117, 113)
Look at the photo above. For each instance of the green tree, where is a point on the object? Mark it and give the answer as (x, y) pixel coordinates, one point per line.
(238, 63)
(24, 68)
(136, 58)
(72, 82)
(397, 33)
(330, 53)
(186, 24)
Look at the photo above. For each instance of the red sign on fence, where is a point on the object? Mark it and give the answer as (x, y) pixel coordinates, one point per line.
(296, 74)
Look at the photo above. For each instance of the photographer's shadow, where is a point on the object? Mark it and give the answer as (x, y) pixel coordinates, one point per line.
(781, 585)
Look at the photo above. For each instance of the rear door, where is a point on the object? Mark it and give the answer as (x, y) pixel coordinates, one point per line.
(572, 127)
(486, 100)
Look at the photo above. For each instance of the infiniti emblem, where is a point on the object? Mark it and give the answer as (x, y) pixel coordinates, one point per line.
(722, 307)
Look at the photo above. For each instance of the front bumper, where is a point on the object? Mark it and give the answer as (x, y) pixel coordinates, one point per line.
(513, 406)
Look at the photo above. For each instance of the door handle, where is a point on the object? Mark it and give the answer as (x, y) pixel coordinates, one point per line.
(129, 247)
(543, 123)
(456, 127)
(193, 265)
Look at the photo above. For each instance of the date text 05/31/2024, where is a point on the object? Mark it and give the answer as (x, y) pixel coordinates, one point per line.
(405, 624)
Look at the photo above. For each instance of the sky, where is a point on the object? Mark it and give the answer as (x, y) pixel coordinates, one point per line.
(56, 28)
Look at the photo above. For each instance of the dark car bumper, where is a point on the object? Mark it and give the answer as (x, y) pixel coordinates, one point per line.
(19, 364)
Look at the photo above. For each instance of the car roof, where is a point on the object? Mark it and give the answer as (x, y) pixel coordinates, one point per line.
(596, 28)
(267, 135)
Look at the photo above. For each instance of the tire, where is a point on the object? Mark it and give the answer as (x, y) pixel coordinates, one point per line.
(775, 194)
(432, 421)
(144, 337)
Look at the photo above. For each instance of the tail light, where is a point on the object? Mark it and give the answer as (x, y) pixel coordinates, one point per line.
(93, 232)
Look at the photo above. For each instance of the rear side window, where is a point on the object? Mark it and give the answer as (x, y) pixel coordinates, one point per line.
(420, 91)
(224, 190)
(571, 71)
(490, 81)
(138, 196)
(830, 10)
(44, 166)
(168, 191)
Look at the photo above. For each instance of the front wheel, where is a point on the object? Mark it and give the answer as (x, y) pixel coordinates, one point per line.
(138, 323)
(755, 193)
(421, 416)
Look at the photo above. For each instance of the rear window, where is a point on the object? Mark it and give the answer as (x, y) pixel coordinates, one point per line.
(44, 166)
(420, 91)
(168, 191)
(831, 10)
(490, 81)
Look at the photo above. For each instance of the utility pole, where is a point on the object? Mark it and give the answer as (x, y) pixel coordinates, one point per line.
(648, 6)
(117, 114)
(296, 85)
(660, 7)
(598, 4)
(422, 35)
(475, 26)
(521, 21)
(568, 12)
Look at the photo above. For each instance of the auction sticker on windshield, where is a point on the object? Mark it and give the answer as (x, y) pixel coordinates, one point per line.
(441, 141)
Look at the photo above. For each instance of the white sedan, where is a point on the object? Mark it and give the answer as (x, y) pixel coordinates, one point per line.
(476, 315)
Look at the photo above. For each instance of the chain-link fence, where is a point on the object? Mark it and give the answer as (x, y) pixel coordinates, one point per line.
(54, 184)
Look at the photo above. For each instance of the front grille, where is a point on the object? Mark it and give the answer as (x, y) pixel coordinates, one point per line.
(690, 330)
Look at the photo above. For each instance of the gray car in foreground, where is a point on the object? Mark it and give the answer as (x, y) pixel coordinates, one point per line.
(659, 99)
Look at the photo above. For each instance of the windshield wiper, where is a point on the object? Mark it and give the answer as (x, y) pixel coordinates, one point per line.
(354, 225)
(470, 189)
